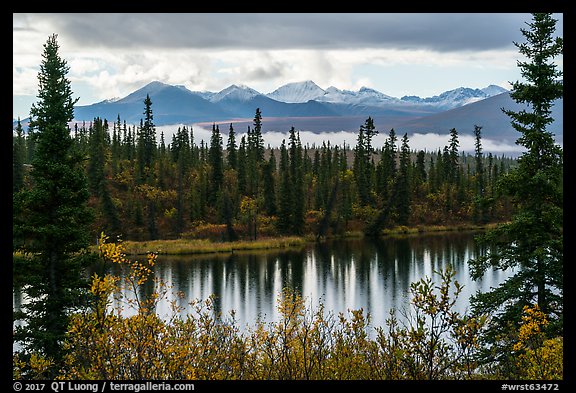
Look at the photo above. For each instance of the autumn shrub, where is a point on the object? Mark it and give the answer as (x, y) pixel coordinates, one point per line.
(213, 232)
(428, 341)
(32, 366)
(538, 357)
(433, 341)
(364, 213)
(267, 226)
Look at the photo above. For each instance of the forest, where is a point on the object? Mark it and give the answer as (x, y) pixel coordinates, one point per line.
(144, 190)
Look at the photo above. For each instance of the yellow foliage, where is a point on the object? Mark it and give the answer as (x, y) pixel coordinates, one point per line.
(539, 358)
(303, 344)
(37, 367)
(530, 330)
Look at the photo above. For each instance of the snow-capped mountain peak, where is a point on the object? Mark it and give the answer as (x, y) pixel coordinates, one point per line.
(110, 100)
(236, 92)
(297, 92)
(336, 95)
(493, 90)
(369, 92)
(364, 96)
(457, 97)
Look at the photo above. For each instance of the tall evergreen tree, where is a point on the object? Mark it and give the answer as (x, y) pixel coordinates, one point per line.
(97, 179)
(284, 191)
(386, 171)
(146, 154)
(480, 206)
(116, 145)
(419, 174)
(97, 157)
(451, 162)
(254, 157)
(231, 148)
(532, 242)
(215, 160)
(146, 143)
(181, 153)
(369, 132)
(296, 182)
(164, 168)
(363, 166)
(322, 177)
(403, 183)
(269, 185)
(421, 165)
(242, 167)
(18, 157)
(51, 219)
(257, 141)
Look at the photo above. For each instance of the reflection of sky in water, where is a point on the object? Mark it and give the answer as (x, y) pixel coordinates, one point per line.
(351, 274)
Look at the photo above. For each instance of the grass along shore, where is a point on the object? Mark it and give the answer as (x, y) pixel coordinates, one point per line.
(203, 246)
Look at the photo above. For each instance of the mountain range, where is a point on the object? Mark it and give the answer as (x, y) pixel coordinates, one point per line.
(306, 106)
(177, 104)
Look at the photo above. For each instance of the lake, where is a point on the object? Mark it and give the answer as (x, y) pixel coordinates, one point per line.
(372, 274)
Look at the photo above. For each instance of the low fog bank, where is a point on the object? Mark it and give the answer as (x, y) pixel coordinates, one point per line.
(428, 142)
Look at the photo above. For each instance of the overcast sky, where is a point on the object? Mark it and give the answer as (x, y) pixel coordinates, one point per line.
(111, 55)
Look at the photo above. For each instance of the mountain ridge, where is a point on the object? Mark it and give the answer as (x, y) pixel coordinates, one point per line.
(173, 104)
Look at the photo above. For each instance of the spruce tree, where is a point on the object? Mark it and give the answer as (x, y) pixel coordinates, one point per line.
(18, 157)
(231, 149)
(116, 145)
(146, 155)
(532, 242)
(363, 165)
(403, 183)
(451, 159)
(386, 170)
(257, 141)
(97, 179)
(97, 157)
(296, 182)
(242, 167)
(269, 185)
(146, 147)
(163, 172)
(421, 165)
(216, 163)
(284, 191)
(50, 222)
(480, 211)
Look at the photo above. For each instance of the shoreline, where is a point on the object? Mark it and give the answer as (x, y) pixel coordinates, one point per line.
(204, 246)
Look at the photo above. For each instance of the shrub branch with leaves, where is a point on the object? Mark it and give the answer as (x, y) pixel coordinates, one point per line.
(428, 341)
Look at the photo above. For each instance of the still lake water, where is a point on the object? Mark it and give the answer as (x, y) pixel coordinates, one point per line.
(374, 275)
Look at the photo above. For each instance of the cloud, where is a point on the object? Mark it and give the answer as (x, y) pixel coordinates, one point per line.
(434, 141)
(25, 81)
(429, 142)
(436, 32)
(111, 55)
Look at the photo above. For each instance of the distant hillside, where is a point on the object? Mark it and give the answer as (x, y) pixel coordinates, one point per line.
(486, 113)
(170, 105)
